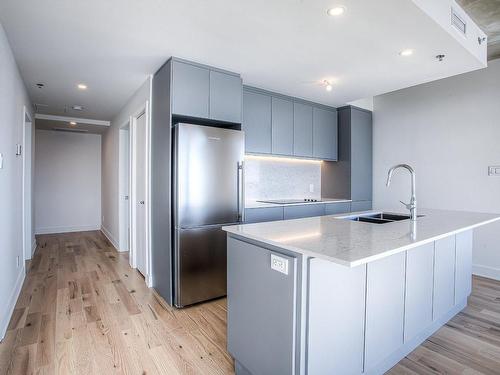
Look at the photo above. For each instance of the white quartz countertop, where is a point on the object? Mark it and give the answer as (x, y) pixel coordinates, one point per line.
(353, 243)
(257, 204)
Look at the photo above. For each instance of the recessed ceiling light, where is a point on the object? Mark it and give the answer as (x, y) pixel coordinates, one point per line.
(406, 52)
(328, 86)
(82, 86)
(336, 11)
(72, 123)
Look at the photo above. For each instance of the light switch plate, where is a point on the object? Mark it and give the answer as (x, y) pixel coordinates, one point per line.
(494, 170)
(279, 264)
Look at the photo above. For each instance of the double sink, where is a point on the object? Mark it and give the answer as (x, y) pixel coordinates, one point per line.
(379, 218)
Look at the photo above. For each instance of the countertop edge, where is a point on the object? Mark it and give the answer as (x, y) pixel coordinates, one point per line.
(361, 261)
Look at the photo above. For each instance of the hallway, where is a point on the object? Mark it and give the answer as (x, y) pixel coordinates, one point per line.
(83, 310)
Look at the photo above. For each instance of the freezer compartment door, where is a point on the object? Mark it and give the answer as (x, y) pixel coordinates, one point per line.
(200, 265)
(207, 175)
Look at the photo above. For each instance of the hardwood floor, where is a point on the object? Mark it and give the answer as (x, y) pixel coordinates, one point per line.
(83, 310)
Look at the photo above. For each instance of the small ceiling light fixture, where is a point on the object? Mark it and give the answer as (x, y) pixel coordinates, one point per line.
(72, 123)
(336, 11)
(406, 52)
(440, 57)
(40, 85)
(328, 85)
(82, 86)
(77, 108)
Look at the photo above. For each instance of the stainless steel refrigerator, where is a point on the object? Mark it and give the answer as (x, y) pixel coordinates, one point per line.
(207, 194)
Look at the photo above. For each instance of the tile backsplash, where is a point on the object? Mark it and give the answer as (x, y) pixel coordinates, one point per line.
(281, 178)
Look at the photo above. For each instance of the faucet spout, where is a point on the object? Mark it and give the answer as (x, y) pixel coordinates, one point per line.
(412, 206)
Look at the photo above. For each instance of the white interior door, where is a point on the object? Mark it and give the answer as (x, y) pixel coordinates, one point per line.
(124, 199)
(27, 188)
(140, 193)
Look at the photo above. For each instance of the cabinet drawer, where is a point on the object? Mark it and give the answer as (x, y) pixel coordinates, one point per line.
(361, 206)
(306, 210)
(258, 215)
(337, 208)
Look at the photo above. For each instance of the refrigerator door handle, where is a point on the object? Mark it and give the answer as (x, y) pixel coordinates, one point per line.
(241, 192)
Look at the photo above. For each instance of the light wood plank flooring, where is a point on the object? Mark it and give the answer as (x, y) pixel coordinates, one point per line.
(83, 310)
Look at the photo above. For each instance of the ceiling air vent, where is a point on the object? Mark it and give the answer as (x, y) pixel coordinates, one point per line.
(458, 22)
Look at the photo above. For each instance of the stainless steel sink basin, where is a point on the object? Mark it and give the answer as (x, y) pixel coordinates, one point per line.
(380, 218)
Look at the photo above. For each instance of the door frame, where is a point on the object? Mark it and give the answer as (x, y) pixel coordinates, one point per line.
(29, 245)
(124, 224)
(143, 109)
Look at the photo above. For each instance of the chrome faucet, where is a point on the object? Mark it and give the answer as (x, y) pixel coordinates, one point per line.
(412, 206)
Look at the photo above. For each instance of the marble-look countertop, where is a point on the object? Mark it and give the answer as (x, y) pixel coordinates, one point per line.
(353, 243)
(257, 204)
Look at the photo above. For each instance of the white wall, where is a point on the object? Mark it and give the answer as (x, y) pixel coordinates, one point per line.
(13, 98)
(110, 162)
(67, 182)
(449, 130)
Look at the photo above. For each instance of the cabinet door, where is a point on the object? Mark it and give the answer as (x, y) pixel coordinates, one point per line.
(384, 308)
(337, 208)
(190, 90)
(444, 276)
(361, 206)
(302, 130)
(419, 284)
(463, 274)
(282, 126)
(225, 97)
(306, 210)
(335, 321)
(259, 215)
(261, 309)
(325, 134)
(361, 155)
(257, 122)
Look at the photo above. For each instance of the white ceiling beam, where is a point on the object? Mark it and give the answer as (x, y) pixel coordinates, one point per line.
(75, 119)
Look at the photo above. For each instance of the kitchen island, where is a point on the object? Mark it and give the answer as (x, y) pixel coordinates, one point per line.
(333, 295)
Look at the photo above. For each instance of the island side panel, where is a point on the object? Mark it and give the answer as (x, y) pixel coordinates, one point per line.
(335, 318)
(444, 276)
(463, 274)
(262, 310)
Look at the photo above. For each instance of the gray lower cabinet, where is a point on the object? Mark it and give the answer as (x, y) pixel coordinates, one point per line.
(361, 155)
(225, 97)
(190, 90)
(301, 211)
(444, 276)
(325, 134)
(361, 206)
(419, 285)
(463, 273)
(385, 299)
(259, 215)
(282, 126)
(261, 310)
(302, 130)
(257, 122)
(337, 208)
(335, 333)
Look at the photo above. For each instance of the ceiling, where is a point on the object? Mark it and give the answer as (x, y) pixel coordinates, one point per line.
(288, 46)
(80, 127)
(486, 14)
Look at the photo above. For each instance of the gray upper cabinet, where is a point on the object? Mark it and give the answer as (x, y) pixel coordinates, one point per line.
(190, 90)
(282, 126)
(361, 155)
(257, 122)
(325, 134)
(302, 130)
(225, 97)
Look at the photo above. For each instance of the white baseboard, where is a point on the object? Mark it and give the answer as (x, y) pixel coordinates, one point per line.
(79, 228)
(110, 237)
(486, 271)
(11, 303)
